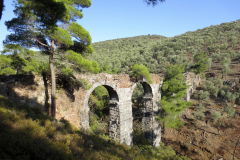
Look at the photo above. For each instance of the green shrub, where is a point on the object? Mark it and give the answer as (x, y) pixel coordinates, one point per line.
(199, 115)
(230, 110)
(141, 71)
(216, 115)
(201, 107)
(88, 86)
(203, 95)
(7, 71)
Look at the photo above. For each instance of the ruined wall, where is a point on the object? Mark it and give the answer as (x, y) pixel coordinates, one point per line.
(194, 81)
(22, 89)
(35, 90)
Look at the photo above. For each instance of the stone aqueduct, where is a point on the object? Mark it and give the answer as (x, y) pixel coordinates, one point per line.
(120, 88)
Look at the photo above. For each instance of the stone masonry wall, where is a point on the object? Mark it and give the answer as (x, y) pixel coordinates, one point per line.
(35, 91)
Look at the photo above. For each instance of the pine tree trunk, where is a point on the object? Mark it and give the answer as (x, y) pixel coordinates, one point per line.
(53, 93)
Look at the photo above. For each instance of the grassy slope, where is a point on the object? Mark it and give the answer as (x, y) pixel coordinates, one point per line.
(207, 137)
(27, 134)
(156, 52)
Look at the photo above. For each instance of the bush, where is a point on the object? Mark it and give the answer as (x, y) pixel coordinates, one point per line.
(88, 86)
(230, 110)
(7, 71)
(201, 107)
(203, 95)
(216, 115)
(199, 115)
(141, 71)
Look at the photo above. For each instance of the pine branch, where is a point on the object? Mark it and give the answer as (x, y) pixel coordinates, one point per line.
(64, 64)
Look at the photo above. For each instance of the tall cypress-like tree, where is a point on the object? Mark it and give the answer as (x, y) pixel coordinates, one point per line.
(49, 25)
(173, 90)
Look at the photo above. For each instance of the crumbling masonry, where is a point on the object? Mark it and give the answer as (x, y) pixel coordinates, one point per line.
(120, 88)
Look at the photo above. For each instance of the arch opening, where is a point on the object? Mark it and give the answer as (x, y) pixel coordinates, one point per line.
(103, 108)
(141, 96)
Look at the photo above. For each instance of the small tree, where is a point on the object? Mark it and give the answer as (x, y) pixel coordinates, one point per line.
(201, 63)
(215, 91)
(230, 110)
(141, 71)
(199, 113)
(18, 60)
(222, 92)
(226, 61)
(225, 70)
(209, 63)
(203, 95)
(173, 90)
(216, 115)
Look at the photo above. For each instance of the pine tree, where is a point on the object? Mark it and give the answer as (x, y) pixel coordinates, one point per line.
(139, 72)
(201, 63)
(173, 90)
(50, 25)
(17, 60)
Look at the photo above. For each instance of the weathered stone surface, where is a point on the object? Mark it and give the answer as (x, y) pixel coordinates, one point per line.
(32, 90)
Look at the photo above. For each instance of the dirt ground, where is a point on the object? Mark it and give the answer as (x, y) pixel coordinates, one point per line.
(203, 139)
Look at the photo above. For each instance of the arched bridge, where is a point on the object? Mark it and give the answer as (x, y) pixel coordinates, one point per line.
(120, 89)
(33, 89)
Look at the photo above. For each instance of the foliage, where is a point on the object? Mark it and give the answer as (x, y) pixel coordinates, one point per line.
(98, 102)
(77, 59)
(201, 60)
(88, 86)
(139, 72)
(209, 63)
(230, 110)
(199, 113)
(156, 52)
(50, 27)
(216, 115)
(7, 71)
(29, 134)
(226, 70)
(139, 134)
(226, 61)
(203, 95)
(173, 90)
(18, 59)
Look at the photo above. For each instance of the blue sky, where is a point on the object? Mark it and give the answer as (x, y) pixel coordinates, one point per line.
(112, 19)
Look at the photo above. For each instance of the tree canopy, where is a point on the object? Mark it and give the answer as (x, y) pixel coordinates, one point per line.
(50, 26)
(153, 2)
(173, 90)
(139, 72)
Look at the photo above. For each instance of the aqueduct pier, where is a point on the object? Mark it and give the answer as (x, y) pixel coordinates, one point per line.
(120, 88)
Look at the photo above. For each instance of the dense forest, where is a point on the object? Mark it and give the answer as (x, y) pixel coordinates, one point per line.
(155, 52)
(212, 122)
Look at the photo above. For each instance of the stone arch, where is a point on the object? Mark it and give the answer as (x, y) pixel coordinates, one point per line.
(147, 89)
(149, 120)
(114, 127)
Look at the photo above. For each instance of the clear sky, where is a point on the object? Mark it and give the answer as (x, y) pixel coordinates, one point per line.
(112, 19)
